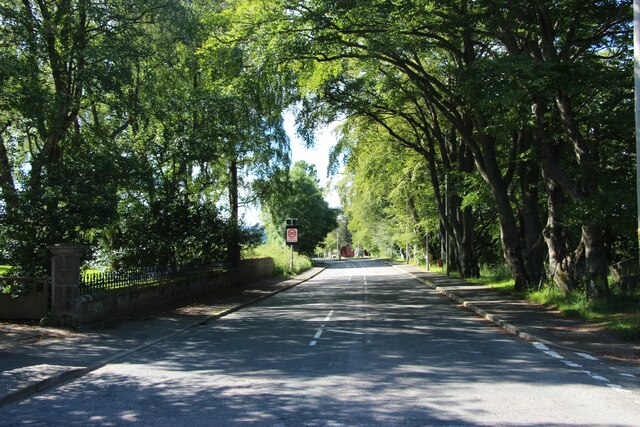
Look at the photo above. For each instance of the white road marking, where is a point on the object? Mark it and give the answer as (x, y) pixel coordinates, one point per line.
(554, 354)
(587, 356)
(571, 364)
(628, 375)
(540, 346)
(618, 388)
(596, 377)
(346, 332)
(320, 330)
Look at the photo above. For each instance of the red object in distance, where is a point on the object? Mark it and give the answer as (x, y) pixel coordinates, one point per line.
(347, 252)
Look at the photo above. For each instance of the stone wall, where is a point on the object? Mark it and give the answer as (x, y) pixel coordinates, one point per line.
(74, 309)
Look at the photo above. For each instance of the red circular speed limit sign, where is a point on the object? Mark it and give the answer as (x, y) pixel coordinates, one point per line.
(292, 235)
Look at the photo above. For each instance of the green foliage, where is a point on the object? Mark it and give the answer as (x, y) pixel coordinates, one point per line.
(299, 198)
(120, 124)
(498, 277)
(139, 129)
(282, 259)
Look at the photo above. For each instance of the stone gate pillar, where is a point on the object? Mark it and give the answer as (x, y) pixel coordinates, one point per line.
(65, 277)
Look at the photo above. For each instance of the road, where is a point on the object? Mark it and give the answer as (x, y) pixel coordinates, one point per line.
(360, 344)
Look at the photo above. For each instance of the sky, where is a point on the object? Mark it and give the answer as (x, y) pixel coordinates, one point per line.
(326, 138)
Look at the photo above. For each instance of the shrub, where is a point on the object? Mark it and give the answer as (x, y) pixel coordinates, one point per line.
(281, 259)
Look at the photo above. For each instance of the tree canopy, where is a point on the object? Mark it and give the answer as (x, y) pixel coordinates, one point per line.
(526, 98)
(502, 126)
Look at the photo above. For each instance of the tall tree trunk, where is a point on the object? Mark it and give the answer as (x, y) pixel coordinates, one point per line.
(596, 268)
(487, 164)
(468, 258)
(7, 185)
(562, 257)
(534, 248)
(234, 232)
(592, 230)
(457, 224)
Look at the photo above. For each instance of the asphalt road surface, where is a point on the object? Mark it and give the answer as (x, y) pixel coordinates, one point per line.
(360, 344)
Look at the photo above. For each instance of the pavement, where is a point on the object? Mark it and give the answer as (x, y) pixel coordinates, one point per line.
(34, 358)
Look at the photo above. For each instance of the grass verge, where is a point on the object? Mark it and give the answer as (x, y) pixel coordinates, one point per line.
(620, 313)
(281, 259)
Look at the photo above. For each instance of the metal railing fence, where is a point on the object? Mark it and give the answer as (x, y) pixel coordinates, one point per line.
(109, 280)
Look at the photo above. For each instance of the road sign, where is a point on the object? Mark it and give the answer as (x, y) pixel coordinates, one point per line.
(292, 236)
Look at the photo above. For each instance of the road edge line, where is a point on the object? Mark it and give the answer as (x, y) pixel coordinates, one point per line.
(506, 326)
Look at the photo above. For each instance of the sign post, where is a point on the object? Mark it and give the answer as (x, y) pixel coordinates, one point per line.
(291, 236)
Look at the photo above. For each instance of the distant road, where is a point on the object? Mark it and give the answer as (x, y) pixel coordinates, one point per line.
(360, 344)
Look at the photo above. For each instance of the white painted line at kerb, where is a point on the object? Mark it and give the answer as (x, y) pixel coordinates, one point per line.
(618, 388)
(597, 377)
(572, 364)
(540, 346)
(554, 354)
(587, 356)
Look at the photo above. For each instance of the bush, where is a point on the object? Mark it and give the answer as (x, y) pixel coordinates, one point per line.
(281, 259)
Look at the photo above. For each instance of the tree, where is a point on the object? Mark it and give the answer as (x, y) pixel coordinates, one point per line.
(301, 198)
(65, 65)
(478, 68)
(124, 125)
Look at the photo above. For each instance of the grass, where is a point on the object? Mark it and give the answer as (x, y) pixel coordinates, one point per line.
(498, 278)
(281, 259)
(620, 313)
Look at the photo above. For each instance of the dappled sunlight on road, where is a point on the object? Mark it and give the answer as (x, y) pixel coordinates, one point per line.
(390, 354)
